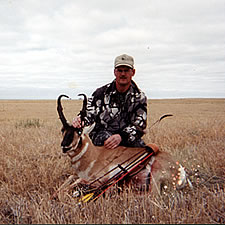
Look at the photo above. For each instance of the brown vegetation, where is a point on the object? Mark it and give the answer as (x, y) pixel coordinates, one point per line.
(32, 167)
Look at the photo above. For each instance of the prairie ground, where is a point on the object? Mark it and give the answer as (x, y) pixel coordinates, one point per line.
(32, 166)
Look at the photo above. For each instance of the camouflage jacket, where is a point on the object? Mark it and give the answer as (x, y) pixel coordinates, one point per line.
(118, 113)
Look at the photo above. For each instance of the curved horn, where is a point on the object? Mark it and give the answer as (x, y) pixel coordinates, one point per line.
(60, 111)
(84, 102)
(83, 111)
(164, 116)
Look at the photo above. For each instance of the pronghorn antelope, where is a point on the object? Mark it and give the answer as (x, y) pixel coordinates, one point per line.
(91, 162)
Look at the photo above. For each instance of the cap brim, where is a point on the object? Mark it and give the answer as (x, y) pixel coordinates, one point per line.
(123, 64)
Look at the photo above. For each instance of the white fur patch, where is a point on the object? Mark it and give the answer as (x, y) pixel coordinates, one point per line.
(74, 159)
(85, 174)
(76, 165)
(182, 178)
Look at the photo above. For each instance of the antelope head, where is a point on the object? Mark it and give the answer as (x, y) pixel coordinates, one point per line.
(72, 137)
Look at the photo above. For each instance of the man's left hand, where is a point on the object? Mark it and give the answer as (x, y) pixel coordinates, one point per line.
(113, 141)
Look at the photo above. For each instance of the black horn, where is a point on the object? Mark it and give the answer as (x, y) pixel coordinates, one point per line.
(164, 116)
(83, 112)
(60, 111)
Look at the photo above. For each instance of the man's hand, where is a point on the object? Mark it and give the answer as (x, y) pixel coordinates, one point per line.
(113, 141)
(77, 122)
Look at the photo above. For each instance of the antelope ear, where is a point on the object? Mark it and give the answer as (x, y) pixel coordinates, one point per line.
(88, 129)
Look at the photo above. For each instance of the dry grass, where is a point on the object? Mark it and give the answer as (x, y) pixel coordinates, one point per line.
(32, 166)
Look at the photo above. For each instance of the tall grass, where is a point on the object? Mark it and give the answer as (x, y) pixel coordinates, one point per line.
(32, 167)
(28, 123)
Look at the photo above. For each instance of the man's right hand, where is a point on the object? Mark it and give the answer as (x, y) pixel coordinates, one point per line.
(77, 122)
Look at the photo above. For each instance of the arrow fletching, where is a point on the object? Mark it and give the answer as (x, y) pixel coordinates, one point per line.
(87, 197)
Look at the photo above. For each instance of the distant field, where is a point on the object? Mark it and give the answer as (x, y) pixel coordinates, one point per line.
(32, 167)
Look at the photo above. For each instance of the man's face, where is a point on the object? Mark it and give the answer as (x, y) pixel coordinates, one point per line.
(124, 75)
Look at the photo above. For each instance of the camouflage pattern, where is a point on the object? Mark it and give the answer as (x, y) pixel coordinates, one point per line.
(118, 113)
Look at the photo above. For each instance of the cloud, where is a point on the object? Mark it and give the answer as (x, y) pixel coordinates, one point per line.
(46, 46)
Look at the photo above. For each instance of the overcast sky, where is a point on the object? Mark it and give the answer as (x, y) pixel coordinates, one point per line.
(53, 47)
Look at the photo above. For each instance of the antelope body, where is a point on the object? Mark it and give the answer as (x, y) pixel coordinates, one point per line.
(91, 162)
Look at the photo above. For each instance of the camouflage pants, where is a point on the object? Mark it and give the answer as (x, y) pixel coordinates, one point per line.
(99, 139)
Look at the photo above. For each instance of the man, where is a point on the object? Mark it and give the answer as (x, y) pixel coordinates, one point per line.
(119, 109)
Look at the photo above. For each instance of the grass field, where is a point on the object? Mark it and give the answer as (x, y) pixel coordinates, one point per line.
(32, 167)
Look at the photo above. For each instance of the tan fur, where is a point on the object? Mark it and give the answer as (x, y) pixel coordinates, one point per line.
(91, 162)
